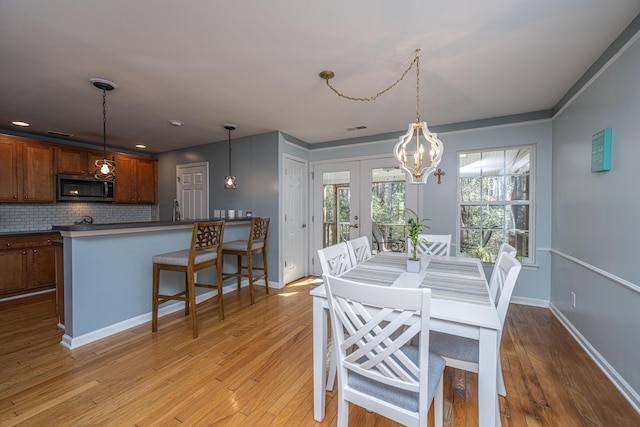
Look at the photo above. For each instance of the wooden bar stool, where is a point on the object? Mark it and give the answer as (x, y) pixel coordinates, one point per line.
(205, 252)
(256, 244)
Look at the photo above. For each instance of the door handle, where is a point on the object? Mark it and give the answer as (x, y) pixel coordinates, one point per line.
(304, 225)
(353, 225)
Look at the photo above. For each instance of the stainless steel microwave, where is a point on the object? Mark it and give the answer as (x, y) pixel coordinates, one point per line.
(78, 188)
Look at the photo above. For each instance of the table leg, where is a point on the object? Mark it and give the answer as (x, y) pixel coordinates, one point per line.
(319, 357)
(488, 379)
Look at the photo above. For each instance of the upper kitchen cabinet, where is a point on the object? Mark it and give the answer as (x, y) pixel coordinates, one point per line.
(136, 179)
(26, 170)
(78, 161)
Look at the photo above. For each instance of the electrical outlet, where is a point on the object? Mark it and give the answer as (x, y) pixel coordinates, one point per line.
(573, 299)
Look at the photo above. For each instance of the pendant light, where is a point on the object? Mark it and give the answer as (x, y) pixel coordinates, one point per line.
(105, 169)
(230, 180)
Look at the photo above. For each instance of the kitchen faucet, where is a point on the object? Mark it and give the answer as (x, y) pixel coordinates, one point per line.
(176, 210)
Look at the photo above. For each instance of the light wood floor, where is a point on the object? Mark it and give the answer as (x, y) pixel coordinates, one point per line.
(255, 368)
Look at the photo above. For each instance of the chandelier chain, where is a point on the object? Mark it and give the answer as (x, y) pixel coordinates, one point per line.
(416, 60)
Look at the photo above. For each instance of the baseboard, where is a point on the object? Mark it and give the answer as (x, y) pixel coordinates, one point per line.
(627, 391)
(534, 302)
(75, 342)
(27, 295)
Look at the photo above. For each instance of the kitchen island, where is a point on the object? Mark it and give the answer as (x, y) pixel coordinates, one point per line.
(108, 274)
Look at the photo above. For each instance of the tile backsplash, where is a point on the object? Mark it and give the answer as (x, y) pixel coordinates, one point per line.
(33, 217)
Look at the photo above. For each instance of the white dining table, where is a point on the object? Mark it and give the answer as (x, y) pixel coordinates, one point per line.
(461, 304)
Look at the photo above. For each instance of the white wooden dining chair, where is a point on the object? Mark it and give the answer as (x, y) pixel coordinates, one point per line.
(505, 247)
(335, 259)
(493, 285)
(359, 249)
(432, 244)
(462, 353)
(377, 368)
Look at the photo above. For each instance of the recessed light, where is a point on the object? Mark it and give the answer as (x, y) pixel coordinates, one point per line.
(141, 146)
(176, 123)
(19, 123)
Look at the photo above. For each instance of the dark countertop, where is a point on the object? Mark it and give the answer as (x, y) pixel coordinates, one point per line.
(144, 224)
(10, 234)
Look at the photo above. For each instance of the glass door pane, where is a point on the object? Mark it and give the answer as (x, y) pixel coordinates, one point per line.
(385, 193)
(388, 191)
(336, 206)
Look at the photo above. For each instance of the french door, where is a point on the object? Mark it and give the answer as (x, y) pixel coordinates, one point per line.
(360, 198)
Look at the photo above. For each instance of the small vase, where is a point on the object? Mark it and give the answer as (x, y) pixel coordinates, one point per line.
(413, 266)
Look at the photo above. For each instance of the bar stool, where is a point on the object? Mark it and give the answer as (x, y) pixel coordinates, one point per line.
(205, 251)
(256, 244)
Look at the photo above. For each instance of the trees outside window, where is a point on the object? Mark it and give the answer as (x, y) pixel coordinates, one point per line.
(495, 201)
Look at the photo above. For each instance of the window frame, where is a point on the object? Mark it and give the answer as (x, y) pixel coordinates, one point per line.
(530, 260)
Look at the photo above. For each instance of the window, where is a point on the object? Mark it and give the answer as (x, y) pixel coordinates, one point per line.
(495, 202)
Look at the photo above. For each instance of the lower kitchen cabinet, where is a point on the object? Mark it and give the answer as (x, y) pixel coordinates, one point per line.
(27, 264)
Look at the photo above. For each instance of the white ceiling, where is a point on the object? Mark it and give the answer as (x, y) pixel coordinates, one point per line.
(256, 63)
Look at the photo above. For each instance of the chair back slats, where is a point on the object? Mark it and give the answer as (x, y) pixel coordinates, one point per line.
(335, 260)
(504, 276)
(495, 287)
(374, 325)
(505, 247)
(432, 244)
(206, 236)
(359, 250)
(260, 229)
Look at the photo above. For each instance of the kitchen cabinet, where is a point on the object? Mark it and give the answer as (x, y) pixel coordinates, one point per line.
(78, 161)
(136, 180)
(26, 170)
(27, 264)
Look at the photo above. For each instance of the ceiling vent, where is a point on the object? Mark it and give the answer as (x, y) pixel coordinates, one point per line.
(56, 133)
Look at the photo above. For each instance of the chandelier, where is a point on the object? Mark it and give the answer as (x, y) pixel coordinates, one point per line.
(410, 151)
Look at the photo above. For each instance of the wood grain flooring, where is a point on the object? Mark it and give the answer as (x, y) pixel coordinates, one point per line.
(255, 369)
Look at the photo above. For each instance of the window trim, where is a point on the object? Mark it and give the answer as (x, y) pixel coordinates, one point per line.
(531, 259)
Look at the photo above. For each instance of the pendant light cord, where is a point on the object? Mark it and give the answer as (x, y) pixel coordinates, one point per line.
(229, 150)
(104, 122)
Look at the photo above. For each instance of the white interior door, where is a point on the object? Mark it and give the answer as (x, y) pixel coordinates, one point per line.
(295, 245)
(192, 188)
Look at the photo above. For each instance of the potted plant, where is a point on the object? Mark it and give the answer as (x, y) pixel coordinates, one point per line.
(482, 253)
(414, 226)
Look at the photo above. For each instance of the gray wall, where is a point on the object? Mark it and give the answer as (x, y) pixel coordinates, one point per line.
(595, 219)
(254, 161)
